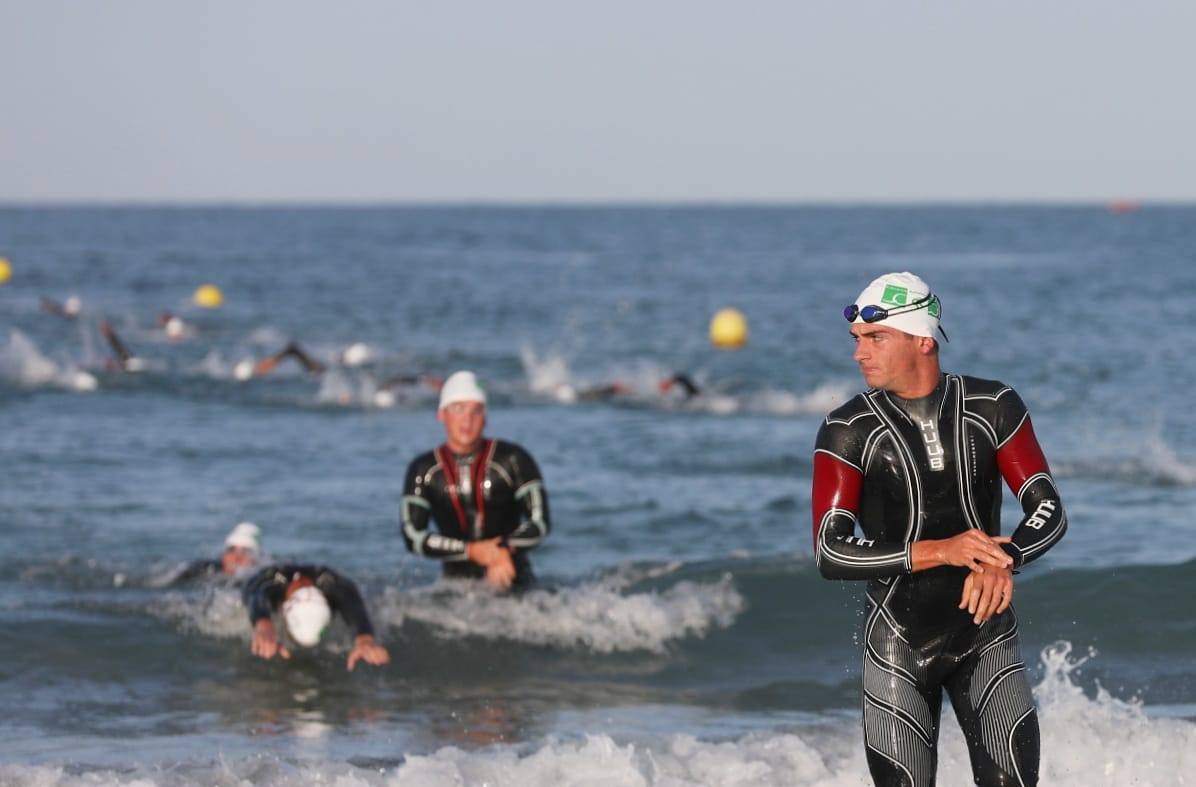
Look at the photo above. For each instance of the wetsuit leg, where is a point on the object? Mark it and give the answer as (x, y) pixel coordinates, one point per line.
(901, 708)
(995, 708)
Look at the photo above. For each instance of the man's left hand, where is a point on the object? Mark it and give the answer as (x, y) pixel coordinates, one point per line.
(987, 594)
(366, 649)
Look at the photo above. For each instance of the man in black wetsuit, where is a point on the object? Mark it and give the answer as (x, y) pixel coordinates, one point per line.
(486, 496)
(916, 462)
(308, 596)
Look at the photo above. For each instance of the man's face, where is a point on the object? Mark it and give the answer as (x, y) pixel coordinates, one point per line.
(887, 357)
(236, 559)
(463, 423)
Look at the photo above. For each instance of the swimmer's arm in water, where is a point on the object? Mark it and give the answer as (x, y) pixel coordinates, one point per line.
(1025, 470)
(345, 600)
(686, 383)
(415, 513)
(292, 350)
(118, 348)
(262, 595)
(310, 365)
(841, 554)
(535, 521)
(197, 569)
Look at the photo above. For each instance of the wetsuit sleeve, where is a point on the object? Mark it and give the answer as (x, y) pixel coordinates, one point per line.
(838, 481)
(532, 501)
(1025, 470)
(263, 593)
(415, 513)
(199, 569)
(345, 600)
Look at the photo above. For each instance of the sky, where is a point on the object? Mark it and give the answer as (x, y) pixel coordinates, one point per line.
(537, 101)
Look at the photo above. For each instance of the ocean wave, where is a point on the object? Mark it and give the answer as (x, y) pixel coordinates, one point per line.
(601, 616)
(1085, 741)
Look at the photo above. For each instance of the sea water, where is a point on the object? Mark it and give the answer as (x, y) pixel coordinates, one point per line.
(680, 634)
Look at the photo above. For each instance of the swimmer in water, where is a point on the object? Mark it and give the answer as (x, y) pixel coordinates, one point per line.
(601, 393)
(486, 496)
(67, 310)
(242, 549)
(308, 596)
(916, 464)
(173, 326)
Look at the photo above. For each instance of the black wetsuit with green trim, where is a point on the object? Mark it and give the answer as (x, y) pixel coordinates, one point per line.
(443, 486)
(931, 468)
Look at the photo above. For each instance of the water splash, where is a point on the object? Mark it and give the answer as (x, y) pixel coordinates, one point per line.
(600, 617)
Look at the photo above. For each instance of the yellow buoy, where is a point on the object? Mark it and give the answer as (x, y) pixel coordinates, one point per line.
(208, 296)
(5, 271)
(728, 329)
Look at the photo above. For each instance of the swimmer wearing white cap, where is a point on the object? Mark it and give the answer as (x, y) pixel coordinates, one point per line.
(915, 464)
(485, 496)
(308, 596)
(242, 550)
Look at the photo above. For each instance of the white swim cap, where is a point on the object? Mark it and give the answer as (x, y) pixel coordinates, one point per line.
(912, 307)
(461, 387)
(72, 306)
(174, 328)
(356, 354)
(246, 535)
(307, 614)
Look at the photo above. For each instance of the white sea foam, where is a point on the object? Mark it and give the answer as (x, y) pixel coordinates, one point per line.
(22, 363)
(217, 613)
(1085, 741)
(600, 616)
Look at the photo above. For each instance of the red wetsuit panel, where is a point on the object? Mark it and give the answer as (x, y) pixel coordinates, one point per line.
(836, 485)
(1021, 457)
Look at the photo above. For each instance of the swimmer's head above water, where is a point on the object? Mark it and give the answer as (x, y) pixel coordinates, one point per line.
(242, 547)
(462, 410)
(894, 322)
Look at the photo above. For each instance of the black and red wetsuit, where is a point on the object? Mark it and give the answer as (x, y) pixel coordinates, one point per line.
(930, 468)
(444, 486)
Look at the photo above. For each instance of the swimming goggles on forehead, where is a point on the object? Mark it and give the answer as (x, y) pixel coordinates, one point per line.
(872, 313)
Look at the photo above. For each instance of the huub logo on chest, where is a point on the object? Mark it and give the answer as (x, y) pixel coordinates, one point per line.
(934, 448)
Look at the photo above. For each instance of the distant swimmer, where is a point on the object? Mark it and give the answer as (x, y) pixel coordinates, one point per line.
(174, 327)
(242, 549)
(486, 496)
(915, 464)
(69, 309)
(122, 359)
(680, 381)
(307, 597)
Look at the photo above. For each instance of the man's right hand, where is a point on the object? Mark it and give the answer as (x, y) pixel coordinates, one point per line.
(501, 574)
(496, 558)
(971, 549)
(265, 642)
